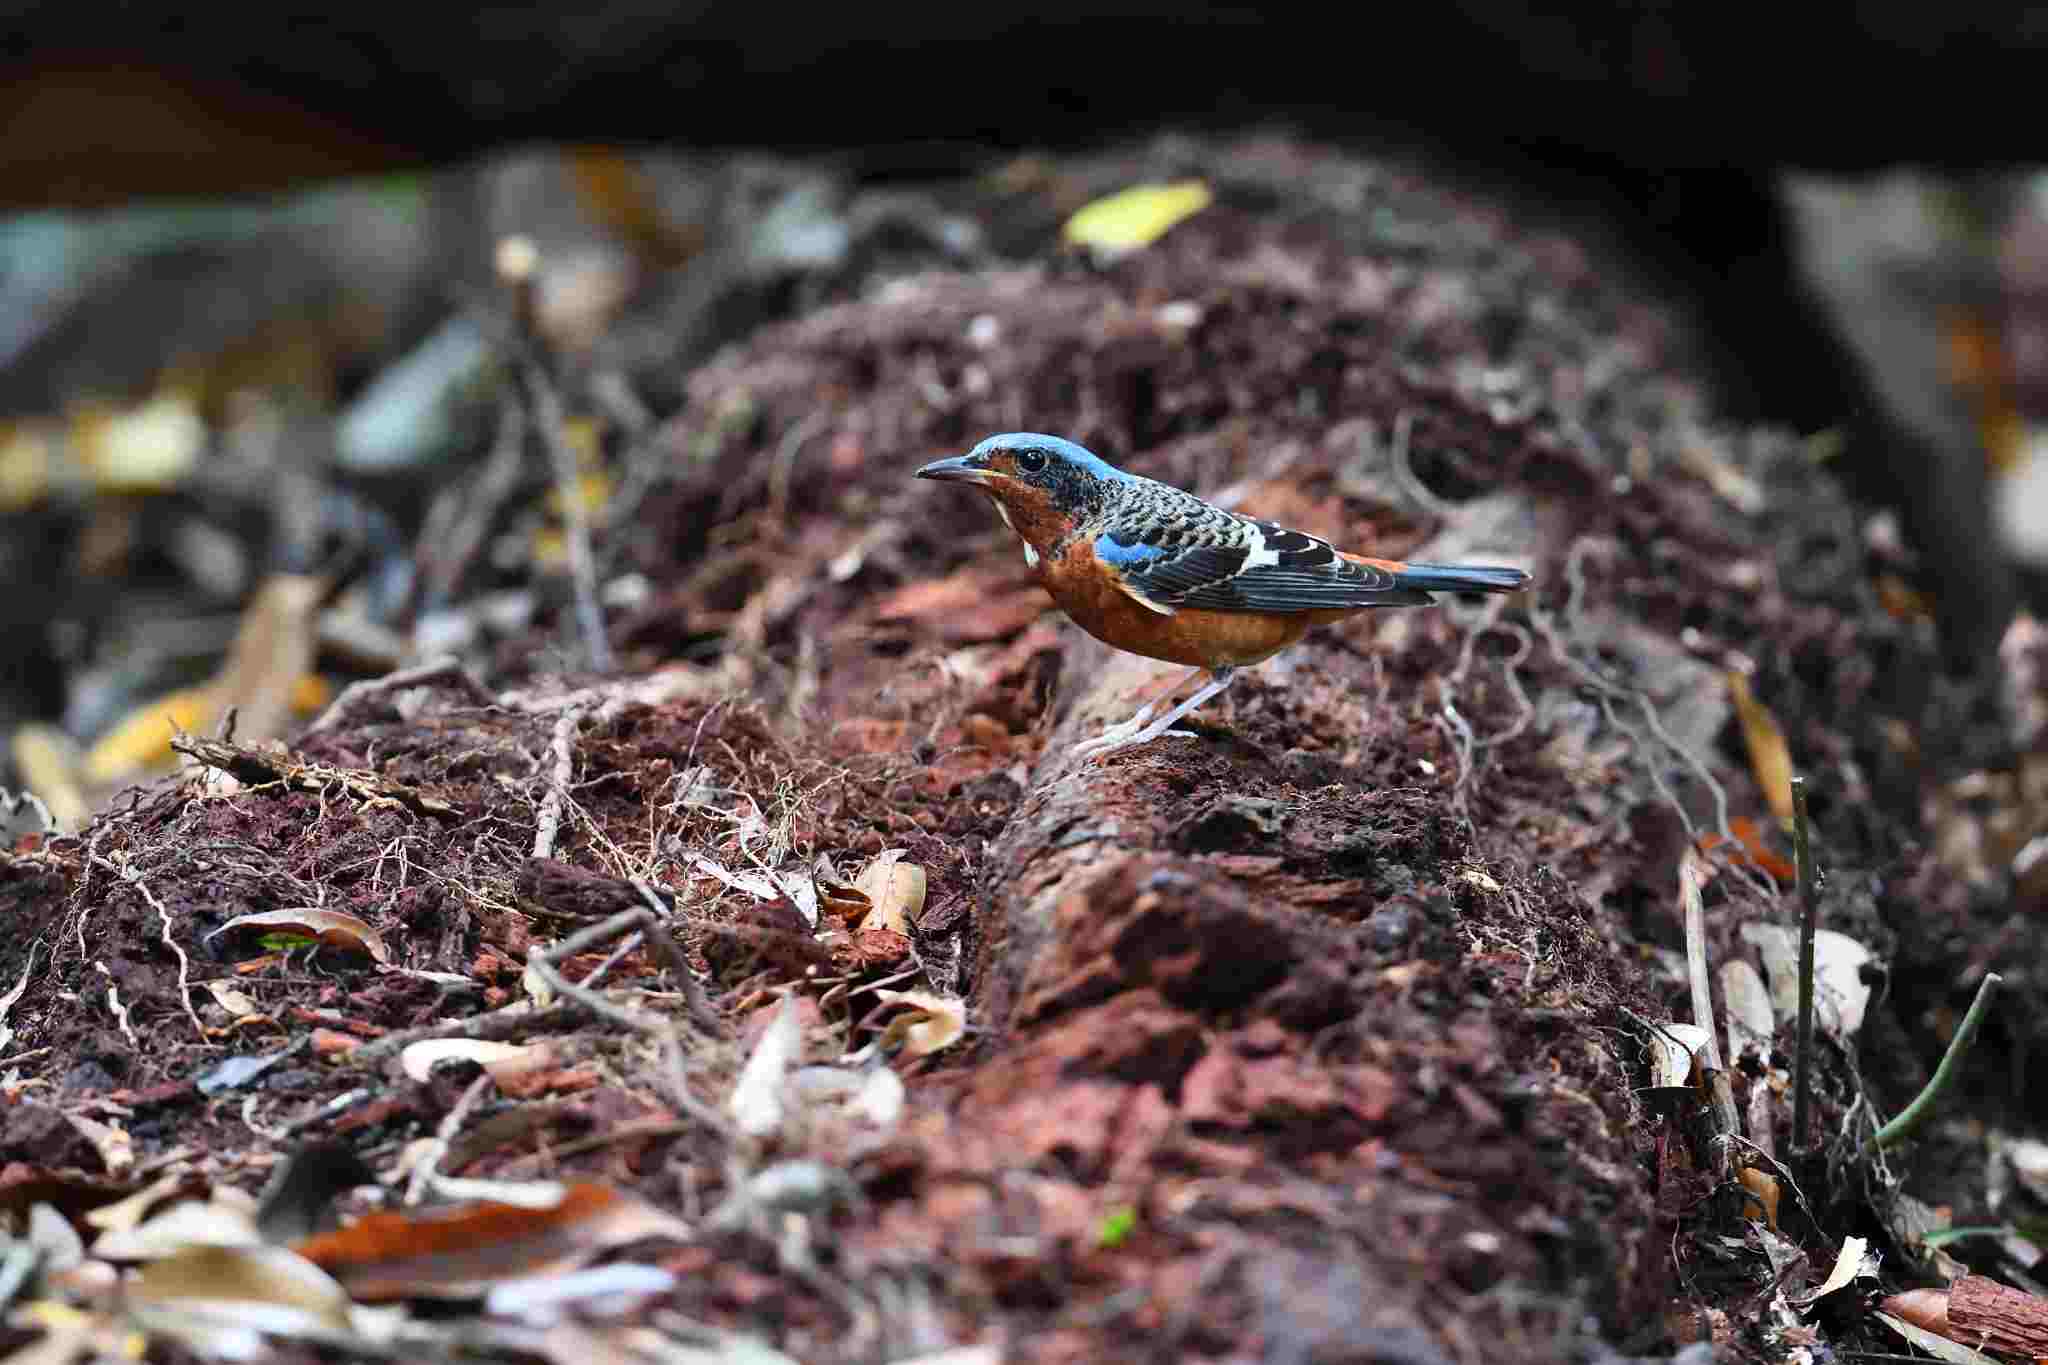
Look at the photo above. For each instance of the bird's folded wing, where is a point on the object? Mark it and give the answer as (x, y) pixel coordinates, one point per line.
(1258, 567)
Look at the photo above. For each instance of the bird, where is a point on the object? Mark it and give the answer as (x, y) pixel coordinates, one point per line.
(1155, 571)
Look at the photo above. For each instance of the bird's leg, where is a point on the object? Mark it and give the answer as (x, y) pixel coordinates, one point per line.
(1142, 729)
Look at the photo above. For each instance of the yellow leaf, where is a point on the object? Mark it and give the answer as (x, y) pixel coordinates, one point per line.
(1770, 758)
(24, 466)
(142, 740)
(592, 491)
(146, 449)
(1136, 217)
(310, 694)
(895, 892)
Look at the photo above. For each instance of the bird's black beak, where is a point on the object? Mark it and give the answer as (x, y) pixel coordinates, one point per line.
(958, 469)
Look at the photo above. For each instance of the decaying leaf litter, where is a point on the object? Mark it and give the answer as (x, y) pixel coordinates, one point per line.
(1326, 1032)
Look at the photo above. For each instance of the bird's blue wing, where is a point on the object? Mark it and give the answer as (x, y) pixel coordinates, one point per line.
(1248, 566)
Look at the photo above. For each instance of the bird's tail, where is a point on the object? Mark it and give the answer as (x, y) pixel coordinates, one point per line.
(1459, 578)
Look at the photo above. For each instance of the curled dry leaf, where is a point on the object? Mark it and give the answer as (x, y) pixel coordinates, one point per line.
(933, 1022)
(1763, 1187)
(1672, 1045)
(128, 1212)
(1840, 994)
(1747, 1004)
(228, 998)
(1770, 758)
(839, 899)
(895, 891)
(757, 1101)
(331, 927)
(115, 1147)
(505, 1061)
(243, 1276)
(1926, 1308)
(1750, 846)
(1938, 1347)
(462, 1252)
(189, 1223)
(1853, 1261)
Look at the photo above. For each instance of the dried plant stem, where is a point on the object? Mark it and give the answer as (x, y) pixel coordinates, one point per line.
(1726, 1121)
(446, 669)
(1696, 956)
(1916, 1113)
(1809, 917)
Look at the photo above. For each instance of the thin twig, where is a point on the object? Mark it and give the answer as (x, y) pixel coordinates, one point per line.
(462, 518)
(499, 1025)
(548, 416)
(1809, 916)
(1412, 488)
(423, 1171)
(1726, 1120)
(694, 998)
(447, 668)
(649, 923)
(548, 822)
(1923, 1105)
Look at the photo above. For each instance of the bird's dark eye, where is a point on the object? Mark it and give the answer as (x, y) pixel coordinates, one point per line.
(1030, 461)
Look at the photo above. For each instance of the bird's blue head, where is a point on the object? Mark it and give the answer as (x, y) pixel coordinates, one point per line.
(1043, 485)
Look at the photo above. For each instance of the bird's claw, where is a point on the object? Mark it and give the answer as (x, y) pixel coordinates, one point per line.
(1127, 735)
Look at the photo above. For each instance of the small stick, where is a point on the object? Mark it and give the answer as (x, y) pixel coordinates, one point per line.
(1916, 1113)
(548, 821)
(1809, 917)
(423, 1174)
(500, 1025)
(518, 262)
(1721, 1096)
(447, 668)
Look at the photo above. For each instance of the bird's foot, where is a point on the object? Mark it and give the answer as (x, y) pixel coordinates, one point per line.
(1130, 734)
(1142, 729)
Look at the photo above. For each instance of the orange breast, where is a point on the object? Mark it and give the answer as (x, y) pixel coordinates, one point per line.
(1087, 591)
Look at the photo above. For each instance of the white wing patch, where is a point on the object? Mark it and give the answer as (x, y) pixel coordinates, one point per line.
(1030, 555)
(1259, 555)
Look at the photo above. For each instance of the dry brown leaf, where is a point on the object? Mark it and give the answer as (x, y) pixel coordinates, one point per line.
(836, 898)
(505, 1061)
(1764, 1186)
(1770, 758)
(1936, 1346)
(895, 891)
(115, 1147)
(228, 998)
(756, 1100)
(331, 927)
(1925, 1308)
(462, 1252)
(246, 1274)
(933, 1022)
(971, 606)
(188, 1223)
